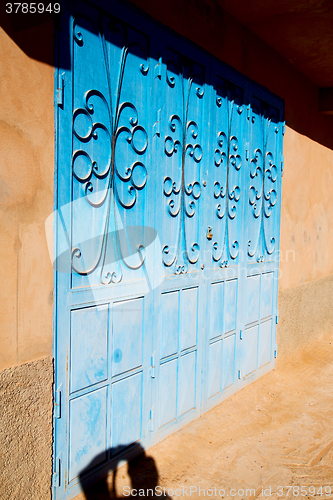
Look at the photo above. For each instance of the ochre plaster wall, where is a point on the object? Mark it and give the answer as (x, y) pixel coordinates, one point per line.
(26, 199)
(307, 211)
(306, 314)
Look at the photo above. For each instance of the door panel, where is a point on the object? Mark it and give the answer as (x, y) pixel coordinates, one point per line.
(250, 363)
(187, 385)
(228, 363)
(215, 368)
(87, 430)
(253, 292)
(89, 342)
(230, 303)
(128, 335)
(266, 298)
(170, 324)
(169, 390)
(127, 403)
(167, 237)
(265, 343)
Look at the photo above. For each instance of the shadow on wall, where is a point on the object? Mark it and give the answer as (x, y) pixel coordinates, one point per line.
(142, 472)
(302, 109)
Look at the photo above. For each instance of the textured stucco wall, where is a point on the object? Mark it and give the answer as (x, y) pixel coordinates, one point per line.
(26, 199)
(306, 314)
(307, 212)
(26, 431)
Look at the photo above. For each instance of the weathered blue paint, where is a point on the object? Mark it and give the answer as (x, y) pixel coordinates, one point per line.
(167, 236)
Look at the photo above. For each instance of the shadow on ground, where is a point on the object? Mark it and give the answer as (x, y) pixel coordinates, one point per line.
(142, 472)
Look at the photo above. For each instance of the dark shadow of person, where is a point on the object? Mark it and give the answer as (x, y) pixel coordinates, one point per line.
(142, 471)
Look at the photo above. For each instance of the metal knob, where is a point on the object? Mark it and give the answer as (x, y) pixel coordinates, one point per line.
(209, 233)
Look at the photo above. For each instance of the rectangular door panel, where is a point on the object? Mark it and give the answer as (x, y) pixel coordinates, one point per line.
(127, 333)
(230, 305)
(267, 294)
(265, 343)
(215, 368)
(170, 323)
(216, 316)
(187, 383)
(89, 347)
(168, 392)
(126, 404)
(87, 431)
(189, 304)
(250, 340)
(228, 364)
(253, 294)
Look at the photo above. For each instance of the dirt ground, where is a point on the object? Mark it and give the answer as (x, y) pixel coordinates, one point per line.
(273, 437)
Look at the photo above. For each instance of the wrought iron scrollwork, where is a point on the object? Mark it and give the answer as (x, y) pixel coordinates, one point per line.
(134, 176)
(227, 155)
(263, 194)
(181, 197)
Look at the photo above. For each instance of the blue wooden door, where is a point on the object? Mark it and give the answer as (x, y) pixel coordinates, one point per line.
(180, 179)
(262, 219)
(167, 237)
(224, 219)
(105, 237)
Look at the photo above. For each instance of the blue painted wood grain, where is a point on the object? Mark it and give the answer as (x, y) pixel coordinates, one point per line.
(168, 201)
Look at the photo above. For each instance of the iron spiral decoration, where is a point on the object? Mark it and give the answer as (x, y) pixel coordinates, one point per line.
(263, 195)
(227, 155)
(182, 197)
(118, 125)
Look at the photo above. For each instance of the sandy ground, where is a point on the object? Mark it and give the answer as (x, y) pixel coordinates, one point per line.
(273, 437)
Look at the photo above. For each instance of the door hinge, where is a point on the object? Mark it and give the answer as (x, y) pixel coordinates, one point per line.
(56, 473)
(277, 317)
(57, 403)
(152, 367)
(283, 128)
(248, 112)
(275, 352)
(158, 69)
(282, 164)
(151, 421)
(239, 374)
(157, 123)
(60, 90)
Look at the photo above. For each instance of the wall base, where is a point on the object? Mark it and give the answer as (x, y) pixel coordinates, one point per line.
(26, 431)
